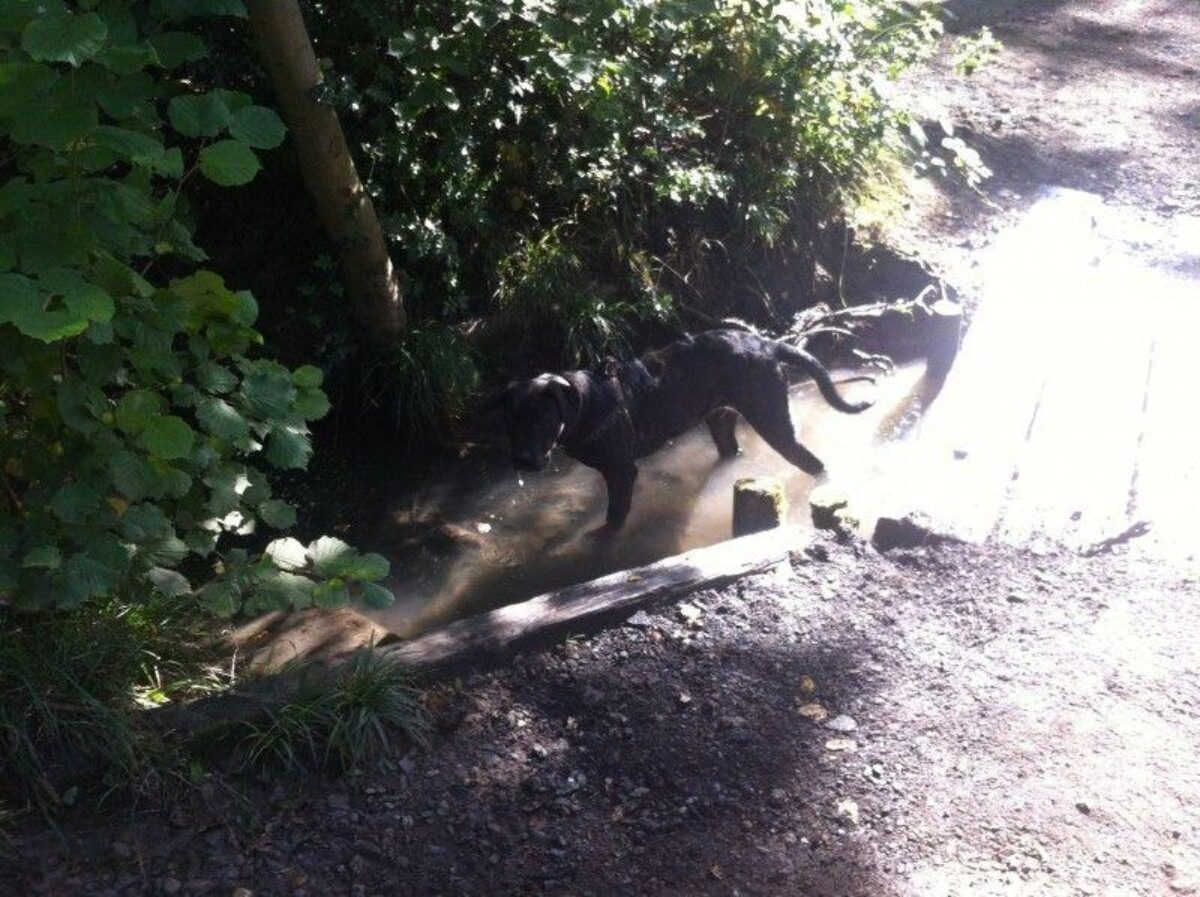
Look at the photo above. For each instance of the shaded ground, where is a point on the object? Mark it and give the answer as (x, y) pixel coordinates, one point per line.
(961, 721)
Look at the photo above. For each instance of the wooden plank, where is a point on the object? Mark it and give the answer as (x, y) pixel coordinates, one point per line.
(489, 638)
(1075, 470)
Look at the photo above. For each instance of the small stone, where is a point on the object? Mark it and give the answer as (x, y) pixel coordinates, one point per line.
(848, 809)
(1083, 808)
(839, 745)
(842, 723)
(483, 528)
(1016, 598)
(640, 620)
(685, 699)
(690, 614)
(813, 711)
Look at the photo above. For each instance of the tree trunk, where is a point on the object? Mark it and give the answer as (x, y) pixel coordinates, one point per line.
(346, 211)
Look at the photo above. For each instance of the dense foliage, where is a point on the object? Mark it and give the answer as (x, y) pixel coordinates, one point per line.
(586, 164)
(137, 424)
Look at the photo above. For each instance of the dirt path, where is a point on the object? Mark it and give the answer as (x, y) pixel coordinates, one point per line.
(971, 721)
(1101, 96)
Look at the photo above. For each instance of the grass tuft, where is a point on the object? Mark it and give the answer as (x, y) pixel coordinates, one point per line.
(345, 724)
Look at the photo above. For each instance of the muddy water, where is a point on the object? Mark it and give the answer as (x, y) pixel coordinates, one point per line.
(475, 535)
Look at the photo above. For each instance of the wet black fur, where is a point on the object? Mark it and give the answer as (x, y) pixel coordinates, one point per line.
(609, 420)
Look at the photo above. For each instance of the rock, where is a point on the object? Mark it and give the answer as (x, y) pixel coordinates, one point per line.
(825, 502)
(759, 503)
(909, 531)
(641, 620)
(690, 613)
(842, 723)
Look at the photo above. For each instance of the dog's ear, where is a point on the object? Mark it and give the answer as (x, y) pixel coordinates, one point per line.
(565, 392)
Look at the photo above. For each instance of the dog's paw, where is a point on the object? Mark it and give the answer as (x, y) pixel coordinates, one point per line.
(603, 534)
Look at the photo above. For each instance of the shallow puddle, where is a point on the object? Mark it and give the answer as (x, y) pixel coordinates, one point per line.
(475, 535)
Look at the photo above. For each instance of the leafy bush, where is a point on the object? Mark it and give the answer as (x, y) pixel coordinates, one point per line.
(136, 425)
(521, 149)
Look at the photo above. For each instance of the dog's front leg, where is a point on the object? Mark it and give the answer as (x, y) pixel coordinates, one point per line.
(620, 482)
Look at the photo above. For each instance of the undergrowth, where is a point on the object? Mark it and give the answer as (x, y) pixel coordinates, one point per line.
(71, 683)
(341, 724)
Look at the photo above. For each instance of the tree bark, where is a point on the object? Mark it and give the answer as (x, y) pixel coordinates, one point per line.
(346, 211)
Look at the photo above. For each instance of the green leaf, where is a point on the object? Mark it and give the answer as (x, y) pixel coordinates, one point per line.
(277, 514)
(268, 391)
(23, 86)
(57, 126)
(136, 409)
(287, 554)
(215, 378)
(288, 448)
(63, 37)
(44, 556)
(169, 438)
(257, 126)
(221, 419)
(133, 477)
(311, 404)
(144, 149)
(368, 567)
(75, 502)
(83, 300)
(175, 48)
(308, 377)
(281, 590)
(19, 298)
(375, 596)
(331, 556)
(144, 523)
(85, 577)
(198, 115)
(229, 163)
(169, 582)
(331, 594)
(221, 599)
(126, 60)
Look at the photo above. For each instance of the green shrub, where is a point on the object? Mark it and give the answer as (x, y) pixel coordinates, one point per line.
(342, 724)
(519, 149)
(136, 424)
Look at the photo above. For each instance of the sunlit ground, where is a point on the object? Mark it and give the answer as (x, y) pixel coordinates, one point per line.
(1072, 411)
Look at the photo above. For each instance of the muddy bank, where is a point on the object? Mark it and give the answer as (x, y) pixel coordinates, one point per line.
(965, 720)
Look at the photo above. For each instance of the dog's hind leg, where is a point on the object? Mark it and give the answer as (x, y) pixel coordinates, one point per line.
(765, 406)
(722, 424)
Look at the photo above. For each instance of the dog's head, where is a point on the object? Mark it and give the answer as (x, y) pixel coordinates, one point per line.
(536, 412)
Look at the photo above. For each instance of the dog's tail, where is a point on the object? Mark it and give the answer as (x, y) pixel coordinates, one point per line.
(795, 357)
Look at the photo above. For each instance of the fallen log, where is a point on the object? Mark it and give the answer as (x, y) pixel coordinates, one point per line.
(489, 639)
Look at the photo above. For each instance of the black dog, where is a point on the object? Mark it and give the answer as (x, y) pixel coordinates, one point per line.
(609, 420)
